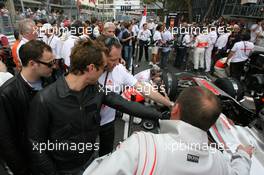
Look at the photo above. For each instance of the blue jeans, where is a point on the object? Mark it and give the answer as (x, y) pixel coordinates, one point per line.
(128, 55)
(164, 59)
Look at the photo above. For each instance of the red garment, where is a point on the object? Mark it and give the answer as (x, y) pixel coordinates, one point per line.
(14, 54)
(4, 41)
(66, 23)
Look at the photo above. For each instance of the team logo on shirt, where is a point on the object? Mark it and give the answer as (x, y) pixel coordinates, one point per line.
(109, 82)
(192, 158)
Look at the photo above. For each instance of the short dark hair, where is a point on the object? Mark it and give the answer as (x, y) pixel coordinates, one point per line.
(2, 5)
(245, 35)
(159, 27)
(84, 53)
(109, 42)
(32, 50)
(87, 22)
(94, 20)
(77, 28)
(16, 34)
(127, 25)
(199, 107)
(41, 21)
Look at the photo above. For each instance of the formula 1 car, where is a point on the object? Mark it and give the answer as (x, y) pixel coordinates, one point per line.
(241, 122)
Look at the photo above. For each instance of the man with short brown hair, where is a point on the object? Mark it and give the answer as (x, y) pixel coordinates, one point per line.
(15, 96)
(68, 113)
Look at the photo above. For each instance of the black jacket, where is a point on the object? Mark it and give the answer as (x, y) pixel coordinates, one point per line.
(15, 96)
(126, 35)
(61, 117)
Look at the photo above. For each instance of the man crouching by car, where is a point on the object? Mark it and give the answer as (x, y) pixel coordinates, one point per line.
(64, 118)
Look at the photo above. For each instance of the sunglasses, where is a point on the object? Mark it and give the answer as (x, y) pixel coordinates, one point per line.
(109, 42)
(48, 64)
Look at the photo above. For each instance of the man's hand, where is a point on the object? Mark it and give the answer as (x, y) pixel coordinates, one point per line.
(248, 149)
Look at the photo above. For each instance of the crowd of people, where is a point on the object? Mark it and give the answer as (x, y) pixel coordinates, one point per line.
(59, 96)
(234, 41)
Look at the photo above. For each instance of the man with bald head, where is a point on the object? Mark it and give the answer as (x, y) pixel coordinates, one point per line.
(181, 147)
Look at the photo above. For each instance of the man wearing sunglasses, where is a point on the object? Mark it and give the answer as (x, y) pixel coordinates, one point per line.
(37, 61)
(64, 118)
(115, 78)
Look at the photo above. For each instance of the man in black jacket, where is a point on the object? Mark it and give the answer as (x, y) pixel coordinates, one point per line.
(15, 95)
(64, 118)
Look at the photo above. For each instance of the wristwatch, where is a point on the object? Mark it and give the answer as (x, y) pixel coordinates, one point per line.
(172, 105)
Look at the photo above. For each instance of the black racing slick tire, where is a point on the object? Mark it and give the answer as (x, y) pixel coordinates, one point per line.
(230, 86)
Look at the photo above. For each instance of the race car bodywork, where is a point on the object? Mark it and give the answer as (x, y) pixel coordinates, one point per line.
(236, 125)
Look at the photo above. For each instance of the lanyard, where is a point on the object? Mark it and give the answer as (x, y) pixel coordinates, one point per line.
(245, 48)
(49, 42)
(106, 78)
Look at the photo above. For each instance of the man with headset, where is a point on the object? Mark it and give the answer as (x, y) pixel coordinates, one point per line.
(115, 78)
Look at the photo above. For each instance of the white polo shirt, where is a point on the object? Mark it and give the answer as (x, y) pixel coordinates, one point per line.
(135, 29)
(144, 35)
(66, 49)
(157, 36)
(116, 80)
(242, 50)
(187, 40)
(55, 43)
(222, 41)
(166, 36)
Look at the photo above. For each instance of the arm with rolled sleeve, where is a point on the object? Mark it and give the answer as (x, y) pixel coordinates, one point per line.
(37, 133)
(146, 89)
(150, 92)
